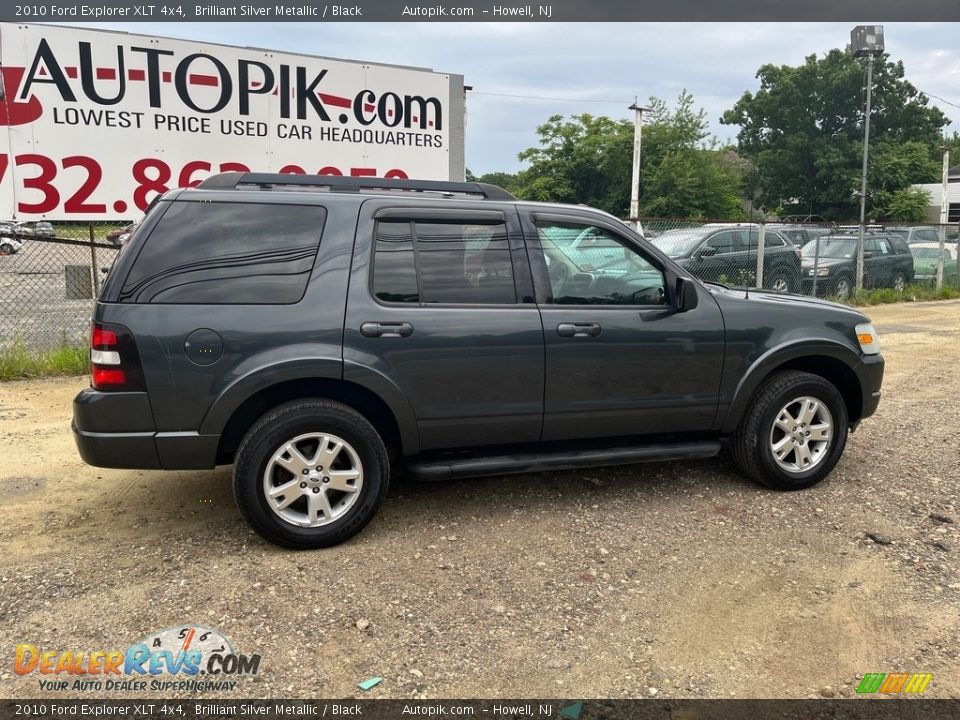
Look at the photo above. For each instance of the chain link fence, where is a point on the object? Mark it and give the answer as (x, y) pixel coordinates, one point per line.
(49, 277)
(812, 258)
(50, 274)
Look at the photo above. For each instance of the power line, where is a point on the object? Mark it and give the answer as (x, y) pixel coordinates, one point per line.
(554, 99)
(937, 97)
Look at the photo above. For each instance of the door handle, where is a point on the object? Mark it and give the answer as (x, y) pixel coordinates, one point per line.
(386, 329)
(578, 329)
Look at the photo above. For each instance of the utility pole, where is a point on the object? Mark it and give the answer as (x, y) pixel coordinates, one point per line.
(635, 178)
(865, 40)
(863, 173)
(944, 208)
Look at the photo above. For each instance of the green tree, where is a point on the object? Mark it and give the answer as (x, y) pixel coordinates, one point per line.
(803, 130)
(908, 205)
(588, 159)
(584, 159)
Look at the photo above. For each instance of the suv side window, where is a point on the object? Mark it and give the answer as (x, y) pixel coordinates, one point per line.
(227, 253)
(928, 235)
(883, 246)
(728, 241)
(898, 245)
(426, 262)
(624, 277)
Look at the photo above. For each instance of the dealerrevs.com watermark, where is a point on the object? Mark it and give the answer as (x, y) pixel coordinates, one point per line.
(189, 658)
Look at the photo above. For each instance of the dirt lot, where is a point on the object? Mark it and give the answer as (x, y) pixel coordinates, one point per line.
(667, 580)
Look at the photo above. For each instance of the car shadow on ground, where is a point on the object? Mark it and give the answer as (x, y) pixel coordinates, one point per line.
(196, 504)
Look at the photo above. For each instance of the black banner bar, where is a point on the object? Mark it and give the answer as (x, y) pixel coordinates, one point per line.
(482, 11)
(199, 709)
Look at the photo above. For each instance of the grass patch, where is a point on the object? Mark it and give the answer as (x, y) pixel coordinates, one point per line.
(17, 361)
(911, 293)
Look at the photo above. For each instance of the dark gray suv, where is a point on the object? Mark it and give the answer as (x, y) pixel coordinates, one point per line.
(317, 332)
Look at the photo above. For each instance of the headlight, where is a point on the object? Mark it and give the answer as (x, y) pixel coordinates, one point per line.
(867, 337)
(821, 272)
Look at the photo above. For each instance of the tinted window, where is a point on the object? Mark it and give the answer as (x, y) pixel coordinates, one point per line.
(928, 235)
(436, 262)
(226, 253)
(618, 274)
(898, 245)
(727, 242)
(395, 279)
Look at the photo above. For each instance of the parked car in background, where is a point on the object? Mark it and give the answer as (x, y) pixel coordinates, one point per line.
(800, 235)
(114, 235)
(887, 263)
(728, 254)
(9, 245)
(918, 234)
(925, 257)
(43, 229)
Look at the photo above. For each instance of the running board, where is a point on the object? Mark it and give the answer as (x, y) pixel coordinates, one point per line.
(465, 467)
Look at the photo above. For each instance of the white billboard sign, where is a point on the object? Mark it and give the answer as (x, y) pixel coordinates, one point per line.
(97, 123)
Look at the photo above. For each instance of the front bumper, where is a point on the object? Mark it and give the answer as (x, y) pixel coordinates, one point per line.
(870, 375)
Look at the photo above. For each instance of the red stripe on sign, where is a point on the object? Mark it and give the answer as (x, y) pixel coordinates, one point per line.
(210, 80)
(166, 76)
(367, 107)
(255, 83)
(335, 100)
(42, 71)
(137, 74)
(71, 72)
(430, 123)
(106, 74)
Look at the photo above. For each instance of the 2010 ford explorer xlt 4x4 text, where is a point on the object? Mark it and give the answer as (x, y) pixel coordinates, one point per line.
(315, 332)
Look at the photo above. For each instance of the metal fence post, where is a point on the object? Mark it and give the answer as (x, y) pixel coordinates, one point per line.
(761, 234)
(93, 264)
(816, 264)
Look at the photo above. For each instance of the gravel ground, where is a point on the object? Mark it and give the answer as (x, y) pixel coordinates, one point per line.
(666, 580)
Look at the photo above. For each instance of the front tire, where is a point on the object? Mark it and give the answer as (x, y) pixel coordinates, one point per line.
(841, 287)
(310, 474)
(793, 433)
(898, 283)
(6, 249)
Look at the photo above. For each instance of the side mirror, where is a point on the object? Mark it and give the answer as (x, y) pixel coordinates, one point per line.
(867, 254)
(686, 294)
(706, 251)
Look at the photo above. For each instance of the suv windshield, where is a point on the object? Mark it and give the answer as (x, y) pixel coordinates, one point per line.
(831, 247)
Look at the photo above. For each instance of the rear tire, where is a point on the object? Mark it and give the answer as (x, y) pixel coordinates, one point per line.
(781, 282)
(898, 283)
(331, 461)
(793, 433)
(6, 249)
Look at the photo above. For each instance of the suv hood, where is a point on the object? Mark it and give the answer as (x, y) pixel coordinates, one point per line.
(785, 300)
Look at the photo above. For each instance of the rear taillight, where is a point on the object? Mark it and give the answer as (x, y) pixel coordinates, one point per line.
(114, 361)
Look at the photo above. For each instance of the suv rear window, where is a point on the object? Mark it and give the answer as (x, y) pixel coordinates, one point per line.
(227, 253)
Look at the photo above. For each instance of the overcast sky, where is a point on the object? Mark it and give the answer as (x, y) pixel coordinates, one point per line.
(583, 63)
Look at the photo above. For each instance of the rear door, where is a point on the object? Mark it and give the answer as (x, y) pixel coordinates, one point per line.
(620, 361)
(441, 312)
(723, 258)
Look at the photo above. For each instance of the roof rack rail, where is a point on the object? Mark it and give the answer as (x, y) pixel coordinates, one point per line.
(336, 183)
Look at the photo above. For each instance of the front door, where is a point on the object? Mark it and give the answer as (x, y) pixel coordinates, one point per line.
(620, 360)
